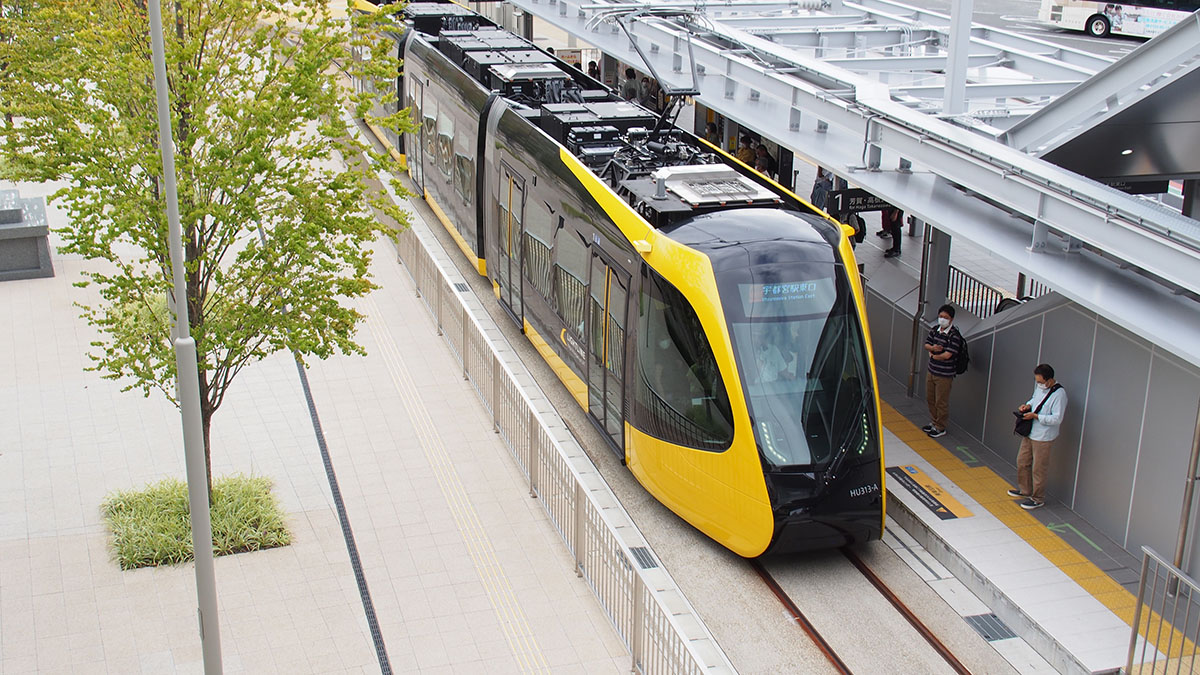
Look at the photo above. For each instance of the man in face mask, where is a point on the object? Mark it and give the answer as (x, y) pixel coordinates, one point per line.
(943, 343)
(1046, 408)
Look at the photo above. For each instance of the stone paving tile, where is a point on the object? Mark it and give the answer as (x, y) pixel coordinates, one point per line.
(68, 437)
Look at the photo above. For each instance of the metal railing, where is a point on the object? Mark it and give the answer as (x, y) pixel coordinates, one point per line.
(1028, 287)
(1166, 621)
(647, 610)
(972, 294)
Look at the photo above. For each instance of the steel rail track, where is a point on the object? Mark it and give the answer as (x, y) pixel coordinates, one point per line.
(898, 604)
(938, 646)
(800, 619)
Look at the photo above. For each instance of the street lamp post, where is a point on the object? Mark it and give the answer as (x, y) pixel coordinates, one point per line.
(188, 383)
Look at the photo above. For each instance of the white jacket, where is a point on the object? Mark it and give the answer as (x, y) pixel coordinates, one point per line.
(1046, 426)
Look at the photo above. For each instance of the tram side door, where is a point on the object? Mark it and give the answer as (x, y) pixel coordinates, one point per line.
(508, 241)
(608, 292)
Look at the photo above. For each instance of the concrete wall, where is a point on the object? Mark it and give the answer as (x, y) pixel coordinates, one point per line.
(1121, 458)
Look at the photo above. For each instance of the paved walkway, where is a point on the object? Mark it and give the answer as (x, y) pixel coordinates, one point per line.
(466, 573)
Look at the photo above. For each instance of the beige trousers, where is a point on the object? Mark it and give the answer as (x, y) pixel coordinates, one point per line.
(1033, 463)
(937, 395)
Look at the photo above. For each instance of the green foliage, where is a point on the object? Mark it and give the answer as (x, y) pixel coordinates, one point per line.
(277, 232)
(151, 527)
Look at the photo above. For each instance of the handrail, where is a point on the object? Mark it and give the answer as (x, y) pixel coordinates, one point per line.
(646, 607)
(1166, 620)
(972, 294)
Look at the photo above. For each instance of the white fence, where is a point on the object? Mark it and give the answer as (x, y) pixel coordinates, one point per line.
(646, 608)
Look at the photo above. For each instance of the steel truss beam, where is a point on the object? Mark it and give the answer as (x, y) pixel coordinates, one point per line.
(1031, 89)
(852, 124)
(1153, 65)
(909, 64)
(792, 21)
(890, 10)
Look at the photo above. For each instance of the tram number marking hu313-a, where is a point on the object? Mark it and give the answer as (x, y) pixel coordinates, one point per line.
(864, 490)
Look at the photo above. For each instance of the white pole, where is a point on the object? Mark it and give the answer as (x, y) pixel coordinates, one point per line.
(188, 382)
(954, 101)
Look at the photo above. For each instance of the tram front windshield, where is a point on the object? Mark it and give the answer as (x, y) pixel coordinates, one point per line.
(803, 362)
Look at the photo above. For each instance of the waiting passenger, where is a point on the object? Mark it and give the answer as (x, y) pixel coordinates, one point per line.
(893, 225)
(772, 167)
(646, 93)
(593, 70)
(712, 134)
(630, 90)
(822, 186)
(761, 166)
(1045, 409)
(944, 343)
(745, 151)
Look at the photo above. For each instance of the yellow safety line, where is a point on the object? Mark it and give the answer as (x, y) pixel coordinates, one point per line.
(400, 159)
(512, 619)
(990, 490)
(479, 263)
(573, 382)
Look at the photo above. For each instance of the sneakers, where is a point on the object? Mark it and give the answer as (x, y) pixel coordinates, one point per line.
(1017, 493)
(928, 427)
(883, 233)
(937, 433)
(1030, 505)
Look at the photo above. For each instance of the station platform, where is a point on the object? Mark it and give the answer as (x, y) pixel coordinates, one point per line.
(1048, 574)
(1026, 567)
(465, 571)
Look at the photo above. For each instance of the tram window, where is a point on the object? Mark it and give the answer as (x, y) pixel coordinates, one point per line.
(429, 129)
(570, 269)
(538, 231)
(464, 178)
(680, 393)
(445, 145)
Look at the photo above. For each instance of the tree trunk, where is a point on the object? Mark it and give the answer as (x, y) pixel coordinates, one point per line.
(206, 413)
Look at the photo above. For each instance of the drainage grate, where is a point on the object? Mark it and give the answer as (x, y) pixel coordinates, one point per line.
(643, 557)
(460, 287)
(990, 627)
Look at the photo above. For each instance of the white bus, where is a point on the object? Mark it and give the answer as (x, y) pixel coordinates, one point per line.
(1145, 18)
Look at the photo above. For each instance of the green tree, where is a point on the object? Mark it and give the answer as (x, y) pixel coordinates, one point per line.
(277, 230)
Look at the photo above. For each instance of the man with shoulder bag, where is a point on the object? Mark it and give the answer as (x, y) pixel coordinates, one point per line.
(1038, 422)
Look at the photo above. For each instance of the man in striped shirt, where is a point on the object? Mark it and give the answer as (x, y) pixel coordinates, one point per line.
(943, 343)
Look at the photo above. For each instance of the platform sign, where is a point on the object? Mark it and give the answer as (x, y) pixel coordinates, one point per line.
(1143, 187)
(855, 200)
(928, 492)
(571, 56)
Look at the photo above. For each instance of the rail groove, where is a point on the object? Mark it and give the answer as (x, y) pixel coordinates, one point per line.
(898, 604)
(938, 646)
(800, 619)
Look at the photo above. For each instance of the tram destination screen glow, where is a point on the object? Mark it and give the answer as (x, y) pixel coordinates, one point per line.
(788, 298)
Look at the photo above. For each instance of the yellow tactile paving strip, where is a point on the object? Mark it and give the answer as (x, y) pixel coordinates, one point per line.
(500, 592)
(987, 488)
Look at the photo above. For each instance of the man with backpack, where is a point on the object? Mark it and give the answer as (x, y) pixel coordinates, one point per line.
(944, 344)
